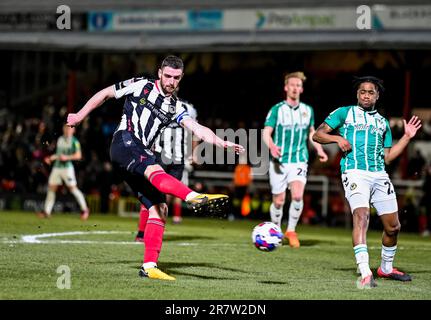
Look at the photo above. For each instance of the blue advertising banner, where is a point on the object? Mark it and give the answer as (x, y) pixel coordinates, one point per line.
(205, 20)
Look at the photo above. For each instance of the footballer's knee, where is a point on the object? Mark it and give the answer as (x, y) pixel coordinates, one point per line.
(163, 211)
(297, 197)
(296, 190)
(361, 216)
(297, 194)
(393, 229)
(152, 168)
(278, 202)
(279, 199)
(72, 188)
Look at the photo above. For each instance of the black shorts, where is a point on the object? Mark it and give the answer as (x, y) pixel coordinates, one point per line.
(174, 169)
(130, 158)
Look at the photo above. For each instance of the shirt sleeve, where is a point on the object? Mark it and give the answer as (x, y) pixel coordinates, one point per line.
(271, 118)
(181, 113)
(387, 139)
(337, 118)
(76, 146)
(192, 111)
(129, 86)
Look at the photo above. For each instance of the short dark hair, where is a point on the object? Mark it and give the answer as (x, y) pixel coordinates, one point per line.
(378, 83)
(173, 62)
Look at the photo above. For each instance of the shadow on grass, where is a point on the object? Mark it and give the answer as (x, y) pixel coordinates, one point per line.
(172, 269)
(352, 270)
(310, 242)
(272, 282)
(173, 237)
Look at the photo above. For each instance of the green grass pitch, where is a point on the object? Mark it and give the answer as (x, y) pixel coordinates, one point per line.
(211, 258)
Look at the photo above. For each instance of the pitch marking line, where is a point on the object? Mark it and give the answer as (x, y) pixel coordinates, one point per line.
(38, 238)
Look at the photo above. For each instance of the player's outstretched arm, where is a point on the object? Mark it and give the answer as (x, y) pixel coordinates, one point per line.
(207, 135)
(323, 157)
(95, 101)
(323, 136)
(410, 130)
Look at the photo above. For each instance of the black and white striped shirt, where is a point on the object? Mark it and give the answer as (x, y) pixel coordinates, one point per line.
(175, 142)
(147, 110)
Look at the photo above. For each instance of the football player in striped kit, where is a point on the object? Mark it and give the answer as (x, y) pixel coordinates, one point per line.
(173, 149)
(150, 106)
(289, 127)
(365, 138)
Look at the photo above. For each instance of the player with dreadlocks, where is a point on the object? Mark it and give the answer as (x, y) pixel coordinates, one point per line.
(365, 138)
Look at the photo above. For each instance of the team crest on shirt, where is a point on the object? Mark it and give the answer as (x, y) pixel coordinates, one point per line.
(142, 101)
(172, 108)
(305, 114)
(353, 186)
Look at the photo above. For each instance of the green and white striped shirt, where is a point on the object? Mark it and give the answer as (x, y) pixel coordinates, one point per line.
(291, 130)
(367, 132)
(66, 146)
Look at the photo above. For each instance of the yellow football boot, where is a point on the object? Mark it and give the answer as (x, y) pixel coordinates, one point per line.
(155, 273)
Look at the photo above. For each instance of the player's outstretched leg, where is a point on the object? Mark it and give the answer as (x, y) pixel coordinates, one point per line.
(208, 203)
(199, 203)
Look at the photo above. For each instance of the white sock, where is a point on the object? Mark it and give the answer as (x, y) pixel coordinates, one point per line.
(388, 254)
(49, 201)
(276, 214)
(80, 198)
(191, 195)
(148, 265)
(295, 211)
(362, 259)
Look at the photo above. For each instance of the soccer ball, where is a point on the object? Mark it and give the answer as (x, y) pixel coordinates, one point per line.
(267, 236)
